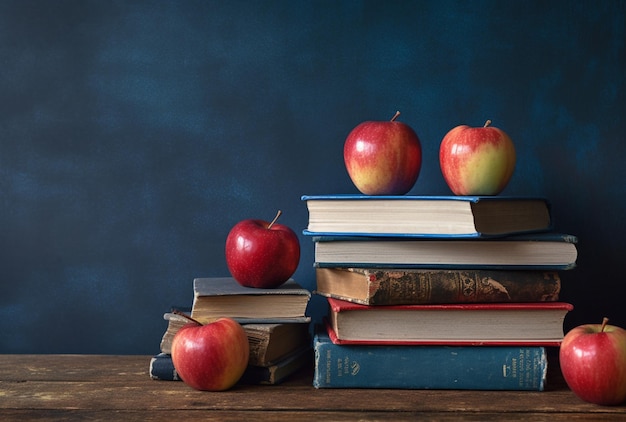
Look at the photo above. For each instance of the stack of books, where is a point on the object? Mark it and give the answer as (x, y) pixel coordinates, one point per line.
(441, 292)
(275, 322)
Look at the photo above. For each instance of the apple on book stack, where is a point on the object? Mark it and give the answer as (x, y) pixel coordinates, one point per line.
(448, 292)
(274, 320)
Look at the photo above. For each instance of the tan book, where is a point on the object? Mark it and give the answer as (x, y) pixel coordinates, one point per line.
(389, 286)
(223, 297)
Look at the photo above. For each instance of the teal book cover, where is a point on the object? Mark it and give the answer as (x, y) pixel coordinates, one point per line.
(428, 367)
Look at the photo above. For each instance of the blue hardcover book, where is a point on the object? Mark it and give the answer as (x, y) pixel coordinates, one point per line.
(428, 367)
(426, 216)
(538, 251)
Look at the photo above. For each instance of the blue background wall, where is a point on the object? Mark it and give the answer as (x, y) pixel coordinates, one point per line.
(135, 134)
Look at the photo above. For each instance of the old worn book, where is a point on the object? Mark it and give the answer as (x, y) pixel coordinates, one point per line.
(174, 323)
(268, 342)
(406, 215)
(540, 251)
(224, 297)
(538, 323)
(428, 367)
(398, 286)
(280, 370)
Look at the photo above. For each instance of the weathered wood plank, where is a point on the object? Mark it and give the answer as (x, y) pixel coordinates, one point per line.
(89, 387)
(72, 367)
(162, 395)
(286, 416)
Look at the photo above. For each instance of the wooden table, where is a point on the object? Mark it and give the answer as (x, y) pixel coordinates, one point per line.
(93, 387)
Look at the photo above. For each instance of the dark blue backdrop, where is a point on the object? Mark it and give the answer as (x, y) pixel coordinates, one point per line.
(135, 134)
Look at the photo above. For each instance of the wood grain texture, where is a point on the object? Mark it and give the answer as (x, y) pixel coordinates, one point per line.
(94, 387)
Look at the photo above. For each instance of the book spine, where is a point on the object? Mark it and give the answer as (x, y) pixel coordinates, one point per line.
(397, 287)
(429, 367)
(258, 348)
(162, 368)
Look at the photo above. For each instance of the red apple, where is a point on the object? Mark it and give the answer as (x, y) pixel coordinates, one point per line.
(593, 362)
(477, 160)
(261, 254)
(383, 157)
(211, 357)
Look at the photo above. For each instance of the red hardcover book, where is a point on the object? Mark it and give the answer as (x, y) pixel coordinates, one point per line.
(539, 324)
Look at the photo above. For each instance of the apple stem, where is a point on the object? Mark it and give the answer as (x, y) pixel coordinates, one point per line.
(184, 315)
(605, 321)
(275, 218)
(487, 123)
(395, 116)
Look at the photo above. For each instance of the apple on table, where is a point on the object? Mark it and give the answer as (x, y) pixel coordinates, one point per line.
(262, 254)
(383, 157)
(210, 357)
(593, 362)
(477, 160)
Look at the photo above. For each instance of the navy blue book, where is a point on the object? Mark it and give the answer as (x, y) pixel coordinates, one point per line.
(426, 216)
(162, 368)
(428, 367)
(537, 251)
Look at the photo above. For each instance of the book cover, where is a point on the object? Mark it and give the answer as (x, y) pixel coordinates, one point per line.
(538, 323)
(401, 286)
(547, 251)
(428, 367)
(228, 286)
(406, 215)
(162, 368)
(223, 296)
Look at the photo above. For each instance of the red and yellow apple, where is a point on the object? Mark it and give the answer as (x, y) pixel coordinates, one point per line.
(593, 362)
(211, 357)
(383, 157)
(477, 160)
(262, 254)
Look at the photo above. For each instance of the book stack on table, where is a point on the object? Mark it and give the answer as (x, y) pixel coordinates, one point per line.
(274, 320)
(437, 292)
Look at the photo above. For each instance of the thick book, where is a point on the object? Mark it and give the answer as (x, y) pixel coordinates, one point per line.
(162, 368)
(224, 297)
(459, 216)
(398, 286)
(538, 323)
(278, 371)
(428, 367)
(268, 342)
(539, 251)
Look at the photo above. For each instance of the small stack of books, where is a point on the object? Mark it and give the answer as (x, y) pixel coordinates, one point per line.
(442, 292)
(275, 322)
